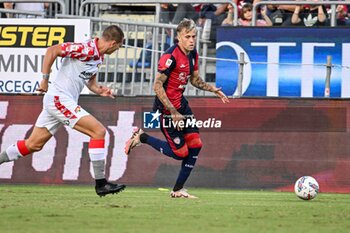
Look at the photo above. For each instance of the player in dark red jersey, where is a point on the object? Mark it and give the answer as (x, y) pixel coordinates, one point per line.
(176, 66)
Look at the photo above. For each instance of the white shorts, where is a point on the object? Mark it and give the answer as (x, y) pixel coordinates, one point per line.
(59, 110)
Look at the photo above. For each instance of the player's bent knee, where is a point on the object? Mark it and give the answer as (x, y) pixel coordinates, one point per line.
(182, 152)
(99, 132)
(193, 140)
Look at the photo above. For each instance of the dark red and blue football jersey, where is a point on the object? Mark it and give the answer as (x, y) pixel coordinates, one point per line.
(178, 66)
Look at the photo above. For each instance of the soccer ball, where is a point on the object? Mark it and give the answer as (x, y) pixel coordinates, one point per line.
(306, 188)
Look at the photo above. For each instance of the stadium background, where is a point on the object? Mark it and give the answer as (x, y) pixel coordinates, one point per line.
(263, 144)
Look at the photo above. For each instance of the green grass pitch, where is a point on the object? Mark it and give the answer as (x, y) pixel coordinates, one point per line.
(46, 209)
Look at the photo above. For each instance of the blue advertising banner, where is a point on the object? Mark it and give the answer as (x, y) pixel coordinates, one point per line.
(285, 62)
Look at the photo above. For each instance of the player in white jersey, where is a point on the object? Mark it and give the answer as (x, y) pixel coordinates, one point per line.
(60, 104)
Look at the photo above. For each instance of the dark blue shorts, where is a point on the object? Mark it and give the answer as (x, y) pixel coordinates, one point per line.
(175, 137)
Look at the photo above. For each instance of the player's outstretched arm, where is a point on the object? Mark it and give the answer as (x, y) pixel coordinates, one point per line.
(221, 95)
(50, 56)
(98, 89)
(201, 84)
(198, 82)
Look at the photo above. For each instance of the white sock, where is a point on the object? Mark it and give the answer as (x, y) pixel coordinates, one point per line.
(13, 152)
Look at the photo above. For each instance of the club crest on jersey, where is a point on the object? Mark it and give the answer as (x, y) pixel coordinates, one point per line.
(183, 76)
(168, 62)
(177, 140)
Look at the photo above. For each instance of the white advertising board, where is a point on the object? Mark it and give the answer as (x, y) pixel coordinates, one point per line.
(23, 45)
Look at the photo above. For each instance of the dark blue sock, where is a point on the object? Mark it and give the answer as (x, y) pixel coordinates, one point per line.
(161, 146)
(186, 167)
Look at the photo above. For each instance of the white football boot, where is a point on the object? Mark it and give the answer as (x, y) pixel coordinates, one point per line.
(182, 193)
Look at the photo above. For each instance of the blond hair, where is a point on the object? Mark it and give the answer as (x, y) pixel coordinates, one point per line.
(187, 24)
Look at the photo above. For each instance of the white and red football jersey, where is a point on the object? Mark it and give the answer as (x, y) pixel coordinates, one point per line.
(80, 63)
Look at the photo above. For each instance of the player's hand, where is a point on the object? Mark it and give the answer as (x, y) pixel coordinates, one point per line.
(44, 84)
(221, 95)
(105, 91)
(178, 120)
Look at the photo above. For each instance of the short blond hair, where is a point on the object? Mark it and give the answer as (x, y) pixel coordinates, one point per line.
(187, 24)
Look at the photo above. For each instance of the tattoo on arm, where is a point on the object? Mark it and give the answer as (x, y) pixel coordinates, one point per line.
(160, 92)
(200, 83)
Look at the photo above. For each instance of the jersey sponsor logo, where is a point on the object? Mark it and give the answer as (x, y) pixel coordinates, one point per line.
(182, 66)
(168, 62)
(30, 36)
(86, 75)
